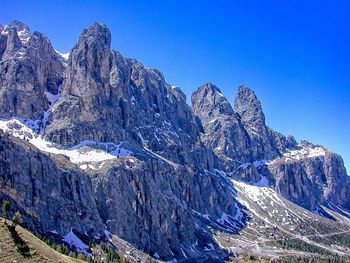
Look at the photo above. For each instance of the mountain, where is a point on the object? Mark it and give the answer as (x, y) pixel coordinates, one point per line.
(100, 147)
(30, 69)
(305, 173)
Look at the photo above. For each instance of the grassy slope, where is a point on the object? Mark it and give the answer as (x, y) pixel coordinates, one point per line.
(39, 251)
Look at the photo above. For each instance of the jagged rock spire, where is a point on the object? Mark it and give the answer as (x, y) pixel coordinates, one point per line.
(96, 33)
(29, 67)
(18, 25)
(249, 108)
(209, 100)
(21, 29)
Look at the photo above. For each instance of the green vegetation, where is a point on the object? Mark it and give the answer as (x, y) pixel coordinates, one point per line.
(22, 248)
(311, 259)
(339, 239)
(21, 245)
(5, 209)
(16, 219)
(300, 245)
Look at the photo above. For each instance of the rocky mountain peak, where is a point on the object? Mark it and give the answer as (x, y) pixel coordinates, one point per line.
(249, 108)
(207, 90)
(178, 93)
(30, 72)
(22, 30)
(98, 34)
(210, 99)
(210, 87)
(13, 44)
(18, 25)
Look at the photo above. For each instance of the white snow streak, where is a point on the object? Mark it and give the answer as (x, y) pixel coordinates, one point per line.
(87, 154)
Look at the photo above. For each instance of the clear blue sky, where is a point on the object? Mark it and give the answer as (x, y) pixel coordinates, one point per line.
(294, 54)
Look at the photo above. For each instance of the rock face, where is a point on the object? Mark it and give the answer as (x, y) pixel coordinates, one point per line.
(312, 176)
(223, 131)
(239, 135)
(29, 68)
(108, 98)
(131, 102)
(306, 174)
(270, 143)
(51, 194)
(157, 209)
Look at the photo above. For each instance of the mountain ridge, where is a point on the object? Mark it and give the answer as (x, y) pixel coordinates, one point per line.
(133, 158)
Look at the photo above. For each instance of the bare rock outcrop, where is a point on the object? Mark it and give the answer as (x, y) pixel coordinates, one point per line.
(30, 69)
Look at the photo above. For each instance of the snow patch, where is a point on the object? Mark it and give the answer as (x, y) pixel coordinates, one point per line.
(23, 34)
(303, 153)
(87, 154)
(76, 243)
(108, 235)
(256, 164)
(210, 247)
(65, 56)
(53, 98)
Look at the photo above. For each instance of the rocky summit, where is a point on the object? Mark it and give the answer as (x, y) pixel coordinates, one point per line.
(95, 147)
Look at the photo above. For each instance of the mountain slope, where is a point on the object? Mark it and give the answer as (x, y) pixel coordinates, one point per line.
(38, 250)
(282, 230)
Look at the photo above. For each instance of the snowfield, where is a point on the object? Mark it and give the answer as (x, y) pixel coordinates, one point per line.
(87, 154)
(303, 153)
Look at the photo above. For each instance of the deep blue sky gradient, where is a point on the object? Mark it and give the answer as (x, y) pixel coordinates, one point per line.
(294, 54)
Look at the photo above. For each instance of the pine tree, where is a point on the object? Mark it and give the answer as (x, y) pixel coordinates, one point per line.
(5, 209)
(16, 219)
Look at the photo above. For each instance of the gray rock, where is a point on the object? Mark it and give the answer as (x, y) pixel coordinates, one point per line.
(155, 201)
(29, 67)
(237, 136)
(313, 181)
(222, 129)
(240, 140)
(108, 98)
(50, 192)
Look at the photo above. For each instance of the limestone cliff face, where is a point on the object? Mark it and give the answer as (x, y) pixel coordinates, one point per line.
(50, 192)
(311, 180)
(156, 208)
(239, 135)
(106, 97)
(222, 129)
(29, 67)
(306, 174)
(270, 144)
